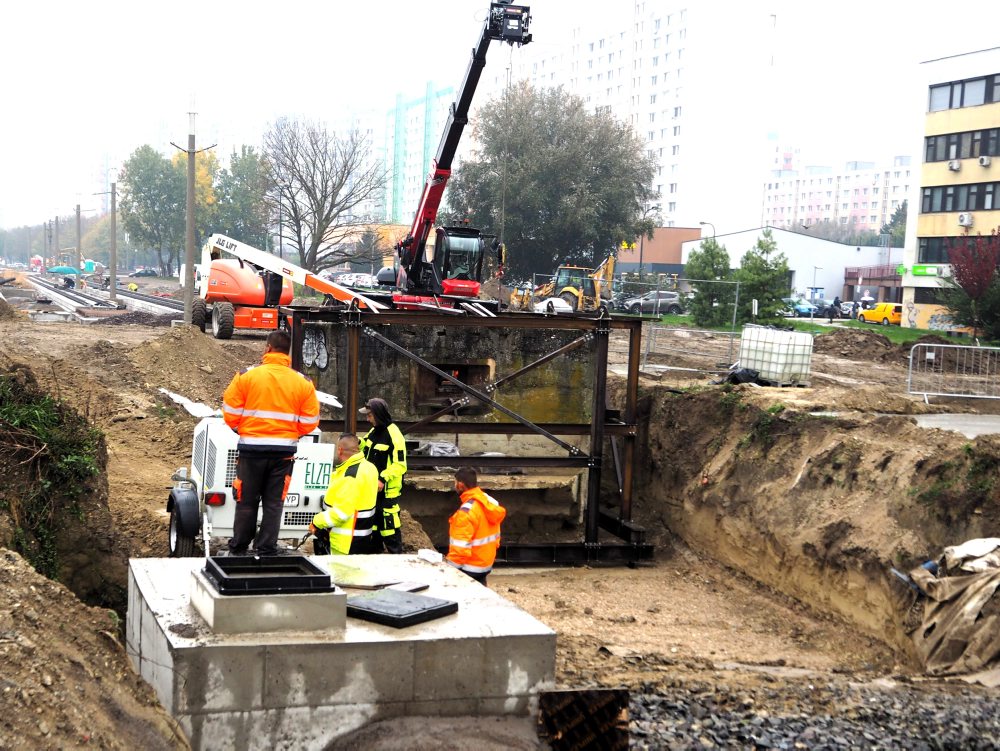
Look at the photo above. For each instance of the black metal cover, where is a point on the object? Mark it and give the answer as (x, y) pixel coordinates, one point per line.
(398, 609)
(266, 575)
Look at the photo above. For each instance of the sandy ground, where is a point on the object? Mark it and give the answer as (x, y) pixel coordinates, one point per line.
(683, 617)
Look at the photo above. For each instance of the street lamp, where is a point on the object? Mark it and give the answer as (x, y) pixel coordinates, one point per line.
(709, 224)
(642, 237)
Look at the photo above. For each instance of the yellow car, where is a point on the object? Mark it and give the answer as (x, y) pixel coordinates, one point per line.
(884, 313)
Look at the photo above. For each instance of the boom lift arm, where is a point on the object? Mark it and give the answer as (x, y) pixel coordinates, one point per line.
(506, 23)
(217, 244)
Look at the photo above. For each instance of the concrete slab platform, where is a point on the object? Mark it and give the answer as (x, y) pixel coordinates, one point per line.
(305, 688)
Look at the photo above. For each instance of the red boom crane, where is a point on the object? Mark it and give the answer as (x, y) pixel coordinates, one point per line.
(455, 268)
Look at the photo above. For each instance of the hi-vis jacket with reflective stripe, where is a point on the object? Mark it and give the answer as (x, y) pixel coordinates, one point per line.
(474, 532)
(349, 503)
(385, 447)
(271, 406)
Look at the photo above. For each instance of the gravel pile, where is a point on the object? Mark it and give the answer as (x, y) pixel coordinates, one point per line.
(850, 716)
(140, 318)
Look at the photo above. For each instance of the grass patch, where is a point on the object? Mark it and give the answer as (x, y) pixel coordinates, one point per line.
(56, 451)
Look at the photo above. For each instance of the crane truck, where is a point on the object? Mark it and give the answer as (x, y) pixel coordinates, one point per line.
(451, 272)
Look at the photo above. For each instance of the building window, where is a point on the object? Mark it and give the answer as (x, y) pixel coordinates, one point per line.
(928, 295)
(672, 206)
(974, 197)
(969, 93)
(677, 130)
(934, 249)
(675, 150)
(673, 187)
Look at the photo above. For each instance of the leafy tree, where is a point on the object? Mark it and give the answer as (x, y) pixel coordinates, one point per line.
(843, 233)
(974, 263)
(242, 209)
(97, 240)
(896, 227)
(558, 182)
(368, 250)
(206, 167)
(323, 182)
(763, 276)
(708, 270)
(153, 204)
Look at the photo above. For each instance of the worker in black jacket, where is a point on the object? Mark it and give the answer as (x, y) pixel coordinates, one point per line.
(385, 447)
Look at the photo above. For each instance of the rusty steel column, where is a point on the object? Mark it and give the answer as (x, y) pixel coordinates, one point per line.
(631, 407)
(602, 331)
(353, 321)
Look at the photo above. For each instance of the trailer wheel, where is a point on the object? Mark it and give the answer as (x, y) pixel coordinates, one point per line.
(199, 313)
(181, 546)
(223, 320)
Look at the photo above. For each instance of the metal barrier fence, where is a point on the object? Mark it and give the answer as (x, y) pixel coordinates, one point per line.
(684, 348)
(954, 370)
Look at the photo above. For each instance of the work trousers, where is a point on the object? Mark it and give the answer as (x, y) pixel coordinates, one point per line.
(262, 480)
(388, 532)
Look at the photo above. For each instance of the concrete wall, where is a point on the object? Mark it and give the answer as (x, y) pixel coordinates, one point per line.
(303, 689)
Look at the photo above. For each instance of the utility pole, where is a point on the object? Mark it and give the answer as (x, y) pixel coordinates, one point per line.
(189, 209)
(79, 247)
(56, 248)
(113, 261)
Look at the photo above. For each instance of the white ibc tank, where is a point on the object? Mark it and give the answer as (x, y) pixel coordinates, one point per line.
(781, 357)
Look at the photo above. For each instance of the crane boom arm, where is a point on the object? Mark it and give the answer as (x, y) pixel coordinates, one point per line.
(507, 23)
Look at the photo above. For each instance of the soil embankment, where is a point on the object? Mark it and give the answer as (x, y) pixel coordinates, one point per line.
(818, 506)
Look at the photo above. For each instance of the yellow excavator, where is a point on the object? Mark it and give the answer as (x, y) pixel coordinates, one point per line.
(583, 289)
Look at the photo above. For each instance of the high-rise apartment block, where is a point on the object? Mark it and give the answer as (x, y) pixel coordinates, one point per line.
(959, 186)
(860, 197)
(689, 82)
(412, 132)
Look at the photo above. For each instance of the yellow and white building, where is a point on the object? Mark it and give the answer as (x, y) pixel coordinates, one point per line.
(959, 185)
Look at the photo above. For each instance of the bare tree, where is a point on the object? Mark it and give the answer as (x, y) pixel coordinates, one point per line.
(323, 183)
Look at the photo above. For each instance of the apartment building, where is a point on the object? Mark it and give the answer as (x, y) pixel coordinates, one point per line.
(656, 66)
(959, 181)
(412, 133)
(861, 196)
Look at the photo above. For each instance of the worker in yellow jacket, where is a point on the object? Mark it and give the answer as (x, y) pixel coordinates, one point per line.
(474, 530)
(271, 406)
(385, 447)
(347, 522)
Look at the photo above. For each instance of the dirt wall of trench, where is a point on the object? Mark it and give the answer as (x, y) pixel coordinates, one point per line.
(819, 508)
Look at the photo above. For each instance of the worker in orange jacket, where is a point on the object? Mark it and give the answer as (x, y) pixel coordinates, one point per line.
(271, 406)
(474, 530)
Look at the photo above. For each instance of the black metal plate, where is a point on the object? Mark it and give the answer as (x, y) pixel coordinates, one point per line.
(266, 575)
(391, 607)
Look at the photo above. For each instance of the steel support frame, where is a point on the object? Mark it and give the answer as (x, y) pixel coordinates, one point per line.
(617, 521)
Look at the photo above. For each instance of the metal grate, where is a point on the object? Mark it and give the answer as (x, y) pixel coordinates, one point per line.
(230, 467)
(954, 370)
(199, 451)
(297, 518)
(210, 462)
(584, 719)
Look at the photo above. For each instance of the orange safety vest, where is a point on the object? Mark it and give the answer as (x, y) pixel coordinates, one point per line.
(271, 406)
(474, 532)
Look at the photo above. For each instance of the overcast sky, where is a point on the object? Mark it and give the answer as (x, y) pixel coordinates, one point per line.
(82, 82)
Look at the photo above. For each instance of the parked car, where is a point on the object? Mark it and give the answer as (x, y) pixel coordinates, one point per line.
(847, 309)
(885, 313)
(664, 302)
(552, 305)
(144, 272)
(799, 308)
